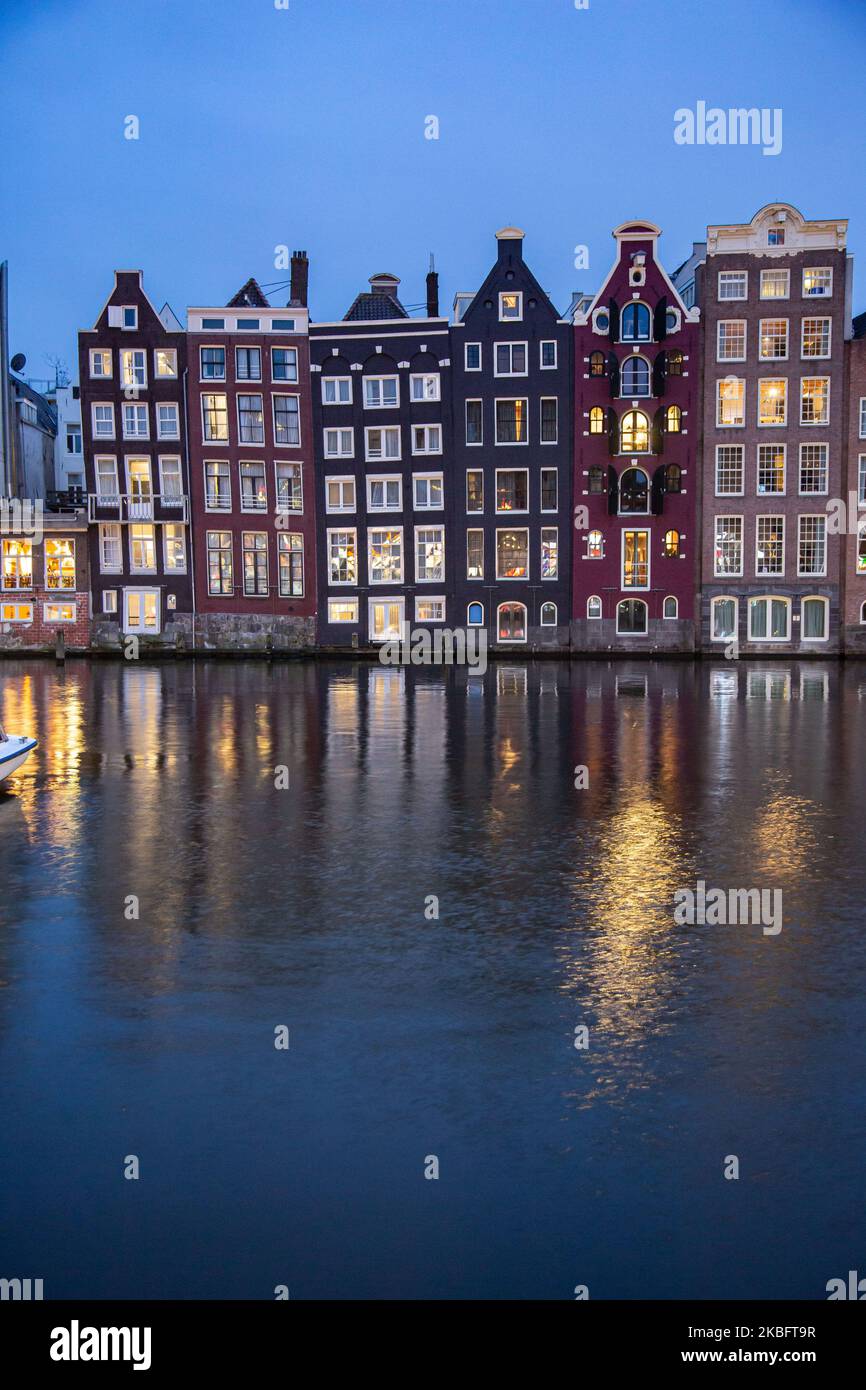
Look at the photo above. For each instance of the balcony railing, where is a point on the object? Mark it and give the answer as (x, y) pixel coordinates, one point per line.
(129, 507)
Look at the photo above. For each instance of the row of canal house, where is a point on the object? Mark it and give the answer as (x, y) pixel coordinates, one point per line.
(649, 471)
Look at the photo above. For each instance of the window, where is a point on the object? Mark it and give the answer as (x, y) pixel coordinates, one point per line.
(386, 618)
(424, 386)
(290, 562)
(142, 548)
(547, 354)
(212, 363)
(141, 611)
(814, 459)
(474, 433)
(342, 557)
(670, 608)
(675, 362)
(815, 619)
(510, 359)
(174, 547)
(218, 487)
(426, 439)
(597, 421)
(773, 339)
(128, 316)
(549, 552)
(511, 421)
(593, 607)
(339, 443)
(103, 421)
(337, 390)
(512, 554)
(343, 610)
(254, 492)
(812, 545)
(815, 400)
(770, 545)
(167, 422)
(634, 491)
(427, 489)
(165, 363)
(135, 422)
(472, 357)
(73, 439)
(249, 323)
(817, 282)
(769, 619)
(771, 468)
(775, 284)
(635, 377)
(17, 564)
(672, 544)
(673, 478)
(248, 363)
(474, 490)
(287, 418)
(474, 554)
(133, 367)
(861, 479)
(251, 420)
(107, 488)
(549, 419)
(429, 553)
(549, 490)
(815, 338)
(772, 401)
(429, 610)
(512, 489)
(59, 563)
(631, 618)
(290, 497)
(634, 324)
(597, 364)
(729, 470)
(729, 545)
(215, 419)
(511, 622)
(254, 552)
(596, 480)
(776, 236)
(861, 554)
(339, 494)
(601, 321)
(475, 615)
(381, 392)
(382, 443)
(548, 615)
(730, 402)
(58, 612)
(213, 323)
(109, 600)
(733, 284)
(510, 306)
(635, 559)
(594, 545)
(100, 362)
(673, 419)
(220, 576)
(723, 619)
(385, 494)
(672, 320)
(110, 556)
(634, 437)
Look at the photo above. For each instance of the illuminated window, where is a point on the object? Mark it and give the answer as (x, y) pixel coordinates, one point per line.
(385, 556)
(674, 419)
(59, 563)
(672, 544)
(254, 493)
(16, 612)
(634, 433)
(342, 557)
(474, 554)
(773, 339)
(511, 421)
(772, 401)
(731, 402)
(17, 564)
(512, 554)
(142, 548)
(635, 559)
(815, 400)
(770, 545)
(344, 610)
(215, 418)
(133, 367)
(817, 281)
(675, 363)
(254, 553)
(728, 545)
(596, 420)
(58, 613)
(218, 486)
(474, 490)
(511, 622)
(290, 496)
(549, 553)
(593, 607)
(511, 305)
(512, 489)
(771, 468)
(775, 284)
(815, 339)
(429, 554)
(100, 362)
(597, 364)
(595, 546)
(165, 361)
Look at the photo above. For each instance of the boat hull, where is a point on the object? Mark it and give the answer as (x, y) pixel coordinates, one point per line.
(13, 753)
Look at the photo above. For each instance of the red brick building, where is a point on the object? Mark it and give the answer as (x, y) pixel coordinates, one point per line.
(854, 543)
(45, 584)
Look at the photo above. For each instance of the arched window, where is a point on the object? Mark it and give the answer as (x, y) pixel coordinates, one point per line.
(595, 546)
(634, 324)
(475, 615)
(634, 491)
(724, 619)
(635, 377)
(597, 364)
(675, 363)
(674, 419)
(631, 617)
(511, 622)
(596, 420)
(596, 480)
(814, 619)
(593, 606)
(671, 607)
(634, 435)
(548, 615)
(672, 544)
(673, 478)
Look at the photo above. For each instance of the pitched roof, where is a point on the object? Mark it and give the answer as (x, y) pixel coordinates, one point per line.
(46, 413)
(249, 296)
(859, 326)
(376, 306)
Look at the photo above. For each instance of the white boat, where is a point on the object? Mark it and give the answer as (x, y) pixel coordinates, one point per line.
(15, 749)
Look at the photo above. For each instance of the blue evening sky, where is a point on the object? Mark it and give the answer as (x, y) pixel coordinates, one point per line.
(305, 126)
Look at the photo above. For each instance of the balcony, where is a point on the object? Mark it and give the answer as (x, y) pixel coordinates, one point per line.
(129, 507)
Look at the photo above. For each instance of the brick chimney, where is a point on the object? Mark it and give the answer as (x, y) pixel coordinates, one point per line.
(432, 291)
(300, 279)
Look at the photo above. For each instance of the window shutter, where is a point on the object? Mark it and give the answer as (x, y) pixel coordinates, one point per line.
(658, 431)
(660, 374)
(657, 495)
(613, 311)
(115, 318)
(660, 320)
(613, 373)
(612, 490)
(612, 432)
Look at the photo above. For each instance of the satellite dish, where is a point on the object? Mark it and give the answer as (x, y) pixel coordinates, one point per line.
(18, 362)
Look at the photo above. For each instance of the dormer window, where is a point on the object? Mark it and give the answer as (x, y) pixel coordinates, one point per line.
(129, 316)
(510, 306)
(776, 236)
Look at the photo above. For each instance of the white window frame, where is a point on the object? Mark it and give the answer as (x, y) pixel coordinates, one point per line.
(548, 366)
(340, 480)
(510, 346)
(385, 479)
(724, 598)
(811, 516)
(286, 380)
(814, 598)
(105, 354)
(382, 404)
(813, 269)
(173, 569)
(777, 448)
(818, 444)
(98, 434)
(786, 354)
(825, 419)
(434, 377)
(338, 381)
(767, 598)
(288, 463)
(725, 424)
(208, 506)
(127, 358)
(740, 492)
(343, 603)
(509, 443)
(511, 294)
(261, 443)
(340, 431)
(135, 408)
(428, 478)
(380, 601)
(384, 456)
(629, 589)
(431, 598)
(167, 405)
(510, 511)
(212, 347)
(816, 318)
(110, 530)
(772, 424)
(436, 526)
(547, 511)
(149, 592)
(431, 431)
(466, 366)
(726, 276)
(164, 376)
(217, 443)
(727, 573)
(767, 573)
(731, 323)
(774, 271)
(351, 531)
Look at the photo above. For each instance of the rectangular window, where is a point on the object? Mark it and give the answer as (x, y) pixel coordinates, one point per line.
(254, 492)
(218, 487)
(772, 401)
(510, 306)
(110, 555)
(385, 618)
(549, 419)
(142, 548)
(424, 387)
(336, 390)
(128, 316)
(215, 419)
(290, 496)
(213, 364)
(220, 571)
(381, 392)
(811, 545)
(733, 284)
(100, 362)
(635, 559)
(474, 428)
(549, 490)
(287, 420)
(771, 468)
(547, 354)
(339, 444)
(731, 340)
(290, 557)
(510, 359)
(17, 564)
(775, 284)
(284, 364)
(339, 494)
(165, 363)
(814, 463)
(109, 600)
(135, 422)
(549, 553)
(213, 323)
(382, 443)
(429, 610)
(16, 612)
(170, 480)
(512, 489)
(141, 610)
(474, 490)
(511, 421)
(815, 400)
(174, 547)
(731, 403)
(729, 470)
(73, 439)
(429, 554)
(103, 421)
(426, 439)
(342, 610)
(385, 494)
(133, 367)
(472, 357)
(863, 417)
(255, 562)
(428, 494)
(770, 545)
(773, 339)
(59, 563)
(728, 546)
(248, 364)
(474, 554)
(251, 419)
(58, 612)
(342, 557)
(385, 556)
(817, 282)
(861, 480)
(512, 554)
(815, 340)
(167, 422)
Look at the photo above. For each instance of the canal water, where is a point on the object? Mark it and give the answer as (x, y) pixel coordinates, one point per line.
(417, 1039)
